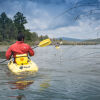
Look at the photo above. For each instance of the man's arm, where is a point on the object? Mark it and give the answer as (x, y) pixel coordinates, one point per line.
(31, 51)
(8, 53)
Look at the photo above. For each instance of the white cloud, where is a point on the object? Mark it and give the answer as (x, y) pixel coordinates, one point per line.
(85, 29)
(40, 22)
(40, 19)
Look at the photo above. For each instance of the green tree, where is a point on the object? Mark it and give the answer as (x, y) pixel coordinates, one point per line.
(11, 31)
(7, 28)
(60, 39)
(30, 36)
(3, 21)
(45, 37)
(19, 21)
(34, 36)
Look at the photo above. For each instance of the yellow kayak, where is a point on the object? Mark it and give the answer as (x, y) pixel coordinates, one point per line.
(30, 67)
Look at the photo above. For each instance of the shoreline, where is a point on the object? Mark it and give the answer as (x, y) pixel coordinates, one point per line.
(3, 48)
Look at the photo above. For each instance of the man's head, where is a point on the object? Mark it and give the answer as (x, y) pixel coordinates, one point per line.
(20, 37)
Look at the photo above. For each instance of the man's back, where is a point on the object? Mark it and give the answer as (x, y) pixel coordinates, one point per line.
(19, 48)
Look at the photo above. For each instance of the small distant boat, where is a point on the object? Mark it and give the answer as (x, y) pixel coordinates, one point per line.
(57, 47)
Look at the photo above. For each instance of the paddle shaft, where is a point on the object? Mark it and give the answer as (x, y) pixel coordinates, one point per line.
(35, 47)
(3, 61)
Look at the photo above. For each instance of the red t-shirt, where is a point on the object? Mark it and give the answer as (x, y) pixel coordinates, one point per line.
(19, 48)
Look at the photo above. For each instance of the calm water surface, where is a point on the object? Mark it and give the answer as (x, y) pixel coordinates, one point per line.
(69, 73)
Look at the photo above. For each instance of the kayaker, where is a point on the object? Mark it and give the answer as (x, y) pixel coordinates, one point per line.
(19, 48)
(57, 44)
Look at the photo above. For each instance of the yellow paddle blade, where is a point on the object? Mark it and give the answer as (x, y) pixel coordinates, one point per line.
(44, 43)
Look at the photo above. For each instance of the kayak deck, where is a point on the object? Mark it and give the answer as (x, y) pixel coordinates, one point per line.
(30, 67)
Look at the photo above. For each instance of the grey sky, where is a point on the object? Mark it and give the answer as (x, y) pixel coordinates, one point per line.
(58, 18)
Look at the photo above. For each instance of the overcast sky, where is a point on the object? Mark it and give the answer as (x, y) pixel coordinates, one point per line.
(58, 18)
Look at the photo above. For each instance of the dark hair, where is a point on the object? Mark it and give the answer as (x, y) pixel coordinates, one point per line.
(20, 37)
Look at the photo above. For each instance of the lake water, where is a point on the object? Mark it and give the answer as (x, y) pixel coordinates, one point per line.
(68, 73)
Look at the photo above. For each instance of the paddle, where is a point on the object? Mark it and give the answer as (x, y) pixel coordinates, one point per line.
(3, 61)
(43, 43)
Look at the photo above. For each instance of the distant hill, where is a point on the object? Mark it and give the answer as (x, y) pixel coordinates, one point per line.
(72, 39)
(93, 40)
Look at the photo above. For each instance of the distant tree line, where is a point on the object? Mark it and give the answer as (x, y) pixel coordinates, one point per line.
(9, 28)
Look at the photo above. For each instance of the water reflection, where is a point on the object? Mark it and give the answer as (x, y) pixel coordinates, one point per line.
(19, 97)
(44, 85)
(21, 84)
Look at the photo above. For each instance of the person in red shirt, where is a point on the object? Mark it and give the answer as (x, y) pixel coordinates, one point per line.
(19, 48)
